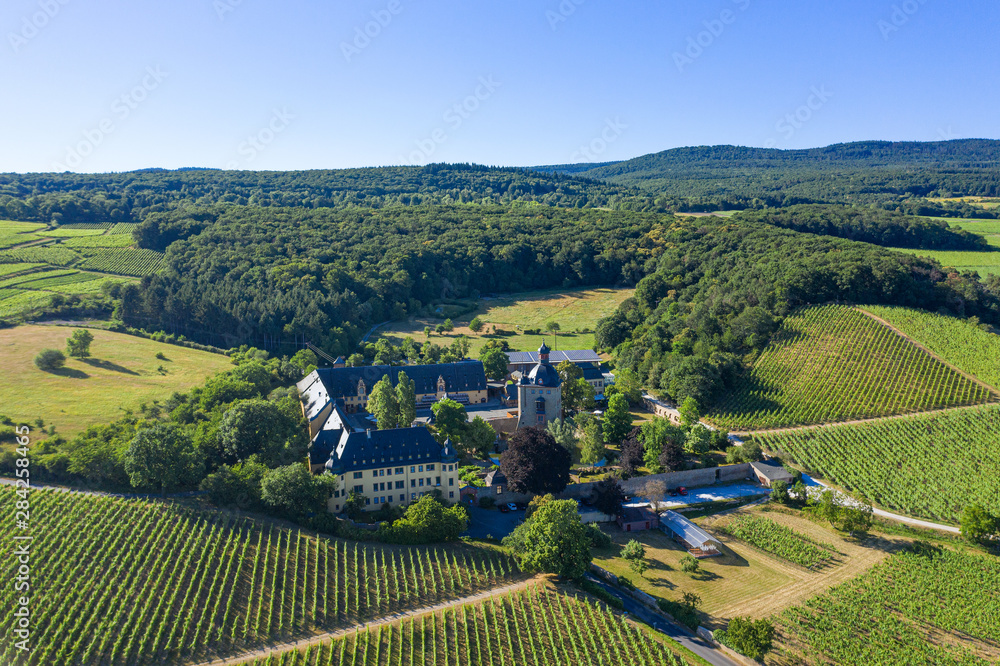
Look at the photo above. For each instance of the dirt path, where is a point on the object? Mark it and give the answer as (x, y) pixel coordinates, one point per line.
(992, 389)
(855, 559)
(817, 426)
(278, 648)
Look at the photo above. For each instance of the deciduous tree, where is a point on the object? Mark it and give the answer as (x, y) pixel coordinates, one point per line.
(553, 540)
(78, 344)
(617, 420)
(383, 404)
(535, 463)
(163, 456)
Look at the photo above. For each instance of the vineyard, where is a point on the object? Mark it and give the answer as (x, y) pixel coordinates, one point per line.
(538, 625)
(16, 301)
(47, 254)
(929, 465)
(130, 582)
(107, 240)
(833, 363)
(10, 269)
(124, 261)
(780, 541)
(41, 275)
(926, 607)
(958, 342)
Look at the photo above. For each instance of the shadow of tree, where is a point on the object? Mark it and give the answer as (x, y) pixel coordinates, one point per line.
(108, 365)
(69, 372)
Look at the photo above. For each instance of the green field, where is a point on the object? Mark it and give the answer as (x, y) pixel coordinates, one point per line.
(121, 375)
(929, 465)
(933, 609)
(120, 582)
(574, 310)
(967, 347)
(833, 363)
(105, 250)
(536, 626)
(985, 263)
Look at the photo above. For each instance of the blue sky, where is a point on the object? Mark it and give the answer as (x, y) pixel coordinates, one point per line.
(117, 85)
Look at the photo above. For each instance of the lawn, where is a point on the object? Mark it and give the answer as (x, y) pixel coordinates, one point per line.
(121, 374)
(745, 580)
(985, 263)
(574, 310)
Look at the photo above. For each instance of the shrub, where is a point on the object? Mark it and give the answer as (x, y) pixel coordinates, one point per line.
(685, 613)
(751, 638)
(487, 502)
(598, 539)
(50, 360)
(689, 564)
(596, 590)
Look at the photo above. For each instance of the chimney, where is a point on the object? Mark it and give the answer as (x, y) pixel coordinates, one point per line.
(369, 432)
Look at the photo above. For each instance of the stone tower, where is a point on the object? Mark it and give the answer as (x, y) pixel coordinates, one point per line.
(539, 393)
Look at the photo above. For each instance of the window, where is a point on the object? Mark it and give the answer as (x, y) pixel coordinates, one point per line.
(499, 490)
(421, 483)
(367, 501)
(413, 469)
(389, 498)
(413, 496)
(451, 481)
(359, 489)
(420, 468)
(374, 487)
(437, 480)
(402, 497)
(382, 486)
(358, 475)
(549, 392)
(399, 470)
(451, 494)
(430, 468)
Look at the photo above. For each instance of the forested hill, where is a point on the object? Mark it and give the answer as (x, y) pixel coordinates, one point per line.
(269, 275)
(721, 289)
(131, 196)
(866, 172)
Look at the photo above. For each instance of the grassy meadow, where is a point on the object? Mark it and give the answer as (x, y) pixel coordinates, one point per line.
(121, 374)
(574, 310)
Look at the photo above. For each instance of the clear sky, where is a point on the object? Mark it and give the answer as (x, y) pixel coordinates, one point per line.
(113, 85)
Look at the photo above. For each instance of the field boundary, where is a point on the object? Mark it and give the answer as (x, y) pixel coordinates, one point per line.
(318, 639)
(973, 378)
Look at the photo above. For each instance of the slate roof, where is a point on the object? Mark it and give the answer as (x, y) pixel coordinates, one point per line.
(693, 535)
(496, 478)
(326, 383)
(772, 471)
(555, 357)
(637, 514)
(592, 372)
(544, 374)
(358, 451)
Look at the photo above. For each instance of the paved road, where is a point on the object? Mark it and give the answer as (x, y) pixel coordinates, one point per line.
(491, 523)
(696, 644)
(916, 522)
(372, 330)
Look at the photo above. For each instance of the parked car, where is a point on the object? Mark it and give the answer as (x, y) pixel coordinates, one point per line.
(512, 507)
(674, 492)
(682, 490)
(587, 501)
(505, 508)
(521, 506)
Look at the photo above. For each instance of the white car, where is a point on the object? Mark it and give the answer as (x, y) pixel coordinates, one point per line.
(512, 506)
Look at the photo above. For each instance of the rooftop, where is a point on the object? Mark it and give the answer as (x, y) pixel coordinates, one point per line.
(693, 535)
(772, 471)
(555, 357)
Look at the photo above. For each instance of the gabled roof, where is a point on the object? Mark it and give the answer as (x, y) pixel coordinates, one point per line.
(636, 514)
(382, 448)
(772, 471)
(495, 478)
(685, 529)
(326, 383)
(555, 357)
(592, 372)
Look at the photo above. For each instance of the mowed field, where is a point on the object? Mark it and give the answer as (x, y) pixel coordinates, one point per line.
(574, 310)
(984, 263)
(744, 580)
(121, 374)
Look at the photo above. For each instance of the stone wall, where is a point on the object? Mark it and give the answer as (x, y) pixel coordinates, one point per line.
(692, 478)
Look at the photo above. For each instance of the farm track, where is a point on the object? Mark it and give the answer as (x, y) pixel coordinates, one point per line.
(278, 648)
(972, 378)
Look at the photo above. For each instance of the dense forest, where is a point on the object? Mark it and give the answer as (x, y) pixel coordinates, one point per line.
(720, 290)
(132, 196)
(280, 275)
(895, 176)
(870, 225)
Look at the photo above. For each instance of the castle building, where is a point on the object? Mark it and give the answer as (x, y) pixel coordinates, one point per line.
(539, 393)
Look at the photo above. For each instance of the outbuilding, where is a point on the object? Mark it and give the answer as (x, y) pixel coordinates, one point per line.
(697, 541)
(637, 518)
(768, 471)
